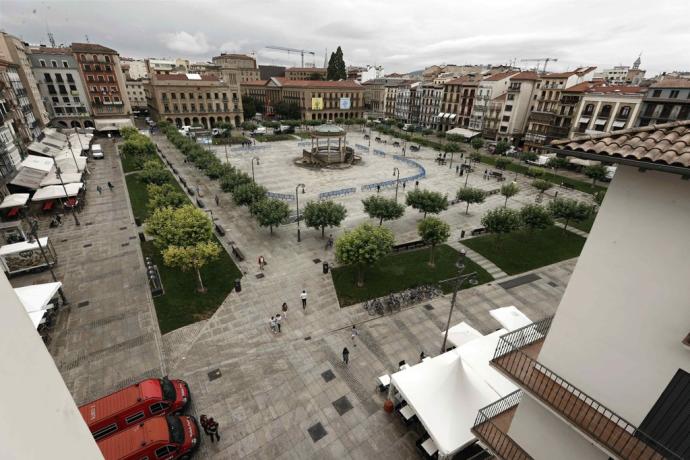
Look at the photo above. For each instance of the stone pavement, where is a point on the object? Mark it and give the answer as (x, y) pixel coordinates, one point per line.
(108, 337)
(482, 261)
(574, 230)
(289, 395)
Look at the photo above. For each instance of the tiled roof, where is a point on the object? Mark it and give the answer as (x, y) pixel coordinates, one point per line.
(525, 76)
(463, 81)
(234, 56)
(499, 76)
(667, 144)
(345, 84)
(91, 48)
(617, 89)
(582, 87)
(47, 50)
(672, 83)
(254, 83)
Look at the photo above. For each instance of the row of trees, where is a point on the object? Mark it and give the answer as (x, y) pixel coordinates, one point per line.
(136, 147)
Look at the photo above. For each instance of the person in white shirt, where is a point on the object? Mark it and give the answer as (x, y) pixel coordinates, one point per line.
(303, 296)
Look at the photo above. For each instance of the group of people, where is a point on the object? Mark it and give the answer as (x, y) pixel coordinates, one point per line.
(276, 320)
(99, 189)
(210, 427)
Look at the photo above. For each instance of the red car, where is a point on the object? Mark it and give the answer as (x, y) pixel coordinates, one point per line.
(134, 404)
(158, 438)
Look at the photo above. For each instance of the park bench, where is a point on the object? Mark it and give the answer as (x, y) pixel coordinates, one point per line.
(478, 231)
(415, 148)
(377, 139)
(220, 230)
(183, 181)
(408, 246)
(200, 203)
(366, 136)
(174, 169)
(396, 144)
(190, 190)
(237, 253)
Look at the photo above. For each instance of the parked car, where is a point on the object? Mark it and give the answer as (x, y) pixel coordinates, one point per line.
(133, 404)
(284, 129)
(541, 160)
(259, 130)
(96, 152)
(169, 438)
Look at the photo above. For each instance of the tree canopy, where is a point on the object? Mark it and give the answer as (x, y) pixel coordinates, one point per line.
(470, 196)
(153, 172)
(336, 66)
(288, 110)
(270, 212)
(595, 172)
(248, 193)
(557, 163)
(501, 221)
(363, 246)
(322, 214)
(382, 208)
(160, 196)
(542, 185)
(194, 257)
(508, 191)
(183, 226)
(569, 210)
(477, 142)
(427, 201)
(535, 217)
(501, 147)
(433, 231)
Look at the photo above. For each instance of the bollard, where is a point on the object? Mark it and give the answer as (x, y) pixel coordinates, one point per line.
(325, 267)
(238, 285)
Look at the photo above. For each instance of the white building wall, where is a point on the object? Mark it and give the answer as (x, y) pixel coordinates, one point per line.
(544, 436)
(618, 330)
(137, 70)
(39, 417)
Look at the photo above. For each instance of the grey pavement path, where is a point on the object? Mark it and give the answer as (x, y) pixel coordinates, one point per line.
(273, 387)
(574, 230)
(108, 336)
(480, 260)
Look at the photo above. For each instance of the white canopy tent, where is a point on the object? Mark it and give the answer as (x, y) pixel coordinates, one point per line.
(510, 317)
(113, 124)
(37, 317)
(447, 391)
(582, 161)
(53, 192)
(22, 246)
(67, 178)
(14, 200)
(36, 298)
(468, 133)
(71, 164)
(32, 170)
(461, 334)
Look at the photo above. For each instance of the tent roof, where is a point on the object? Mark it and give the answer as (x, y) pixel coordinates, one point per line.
(67, 178)
(52, 192)
(40, 163)
(468, 133)
(16, 199)
(113, 124)
(22, 246)
(462, 333)
(36, 317)
(36, 297)
(510, 317)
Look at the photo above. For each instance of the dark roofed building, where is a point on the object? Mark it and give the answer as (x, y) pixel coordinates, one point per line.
(666, 100)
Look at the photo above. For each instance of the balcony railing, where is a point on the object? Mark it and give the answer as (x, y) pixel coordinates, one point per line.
(491, 426)
(516, 355)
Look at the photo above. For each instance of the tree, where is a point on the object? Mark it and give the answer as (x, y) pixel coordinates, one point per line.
(595, 172)
(535, 217)
(193, 257)
(378, 207)
(363, 246)
(184, 226)
(153, 172)
(508, 191)
(452, 147)
(599, 197)
(322, 214)
(336, 66)
(231, 180)
(433, 231)
(160, 196)
(288, 110)
(470, 196)
(248, 106)
(137, 147)
(127, 132)
(501, 147)
(315, 76)
(248, 193)
(542, 185)
(502, 163)
(477, 143)
(427, 201)
(501, 221)
(270, 212)
(557, 163)
(569, 209)
(476, 157)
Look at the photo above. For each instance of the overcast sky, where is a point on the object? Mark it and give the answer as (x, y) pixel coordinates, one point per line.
(400, 34)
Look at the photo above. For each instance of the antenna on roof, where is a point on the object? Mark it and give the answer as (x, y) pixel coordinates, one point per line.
(87, 39)
(51, 39)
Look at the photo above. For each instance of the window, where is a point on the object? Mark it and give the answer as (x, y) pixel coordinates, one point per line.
(605, 111)
(108, 68)
(69, 78)
(65, 100)
(105, 431)
(158, 407)
(624, 112)
(111, 79)
(100, 78)
(509, 108)
(58, 78)
(77, 100)
(87, 67)
(58, 110)
(113, 89)
(97, 99)
(42, 62)
(165, 450)
(56, 100)
(63, 90)
(106, 99)
(589, 109)
(183, 96)
(503, 129)
(65, 64)
(107, 59)
(674, 94)
(506, 118)
(89, 78)
(47, 78)
(133, 418)
(656, 93)
(53, 63)
(116, 98)
(72, 87)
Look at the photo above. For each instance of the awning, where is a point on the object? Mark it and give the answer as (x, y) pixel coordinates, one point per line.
(23, 246)
(618, 124)
(53, 192)
(468, 133)
(32, 170)
(16, 199)
(582, 161)
(584, 120)
(71, 164)
(599, 122)
(440, 115)
(453, 115)
(461, 334)
(37, 317)
(510, 318)
(113, 124)
(67, 178)
(446, 115)
(36, 297)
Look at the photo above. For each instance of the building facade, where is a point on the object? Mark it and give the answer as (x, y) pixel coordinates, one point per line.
(489, 89)
(494, 119)
(243, 66)
(317, 100)
(17, 52)
(430, 97)
(604, 108)
(391, 94)
(136, 69)
(100, 71)
(667, 100)
(17, 106)
(407, 103)
(136, 94)
(458, 101)
(193, 100)
(59, 81)
(375, 98)
(15, 131)
(306, 73)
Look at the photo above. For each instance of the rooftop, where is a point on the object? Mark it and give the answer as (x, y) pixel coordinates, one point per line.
(186, 77)
(667, 144)
(672, 83)
(234, 56)
(525, 76)
(91, 48)
(306, 69)
(500, 76)
(344, 84)
(48, 50)
(470, 81)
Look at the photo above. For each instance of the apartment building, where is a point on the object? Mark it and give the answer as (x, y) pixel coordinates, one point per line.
(205, 68)
(317, 100)
(306, 73)
(494, 117)
(489, 89)
(193, 100)
(243, 66)
(136, 94)
(157, 66)
(391, 94)
(512, 121)
(14, 50)
(375, 98)
(458, 101)
(407, 103)
(666, 100)
(608, 375)
(136, 69)
(100, 70)
(623, 74)
(430, 97)
(62, 90)
(545, 122)
(15, 131)
(602, 108)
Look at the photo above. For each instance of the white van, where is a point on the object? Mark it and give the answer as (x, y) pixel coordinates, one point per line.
(96, 152)
(541, 160)
(259, 130)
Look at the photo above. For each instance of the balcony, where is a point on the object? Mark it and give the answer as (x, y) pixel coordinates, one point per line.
(516, 357)
(491, 427)
(542, 117)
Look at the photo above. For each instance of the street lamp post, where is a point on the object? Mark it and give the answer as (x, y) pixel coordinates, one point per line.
(472, 278)
(467, 176)
(69, 144)
(32, 231)
(299, 236)
(64, 189)
(226, 154)
(396, 172)
(79, 138)
(257, 163)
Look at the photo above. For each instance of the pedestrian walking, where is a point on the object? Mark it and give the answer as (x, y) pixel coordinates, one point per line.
(378, 189)
(285, 309)
(58, 217)
(404, 185)
(354, 334)
(262, 263)
(346, 355)
(329, 242)
(278, 319)
(110, 186)
(303, 296)
(416, 184)
(99, 189)
(212, 429)
(217, 201)
(203, 421)
(457, 169)
(422, 356)
(273, 324)
(462, 155)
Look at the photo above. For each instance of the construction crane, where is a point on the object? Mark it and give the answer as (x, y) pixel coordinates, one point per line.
(538, 60)
(292, 50)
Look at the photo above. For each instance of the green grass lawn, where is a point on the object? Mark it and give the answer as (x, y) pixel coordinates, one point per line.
(274, 137)
(521, 251)
(401, 271)
(303, 135)
(585, 225)
(138, 196)
(181, 304)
